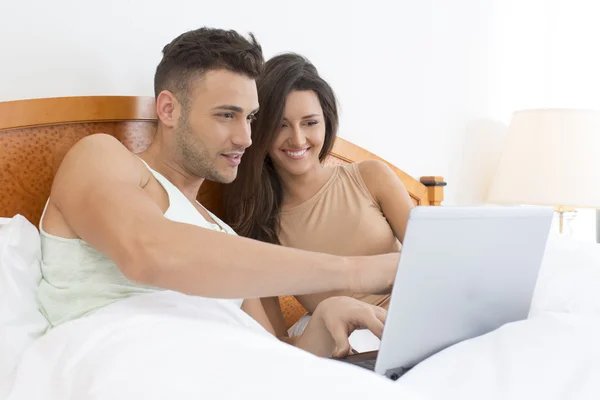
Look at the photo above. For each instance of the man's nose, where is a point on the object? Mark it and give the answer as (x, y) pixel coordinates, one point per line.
(243, 136)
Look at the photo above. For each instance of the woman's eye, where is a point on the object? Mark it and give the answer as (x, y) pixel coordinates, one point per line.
(227, 115)
(311, 123)
(251, 117)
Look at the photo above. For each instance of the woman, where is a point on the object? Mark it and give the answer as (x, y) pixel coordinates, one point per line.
(285, 195)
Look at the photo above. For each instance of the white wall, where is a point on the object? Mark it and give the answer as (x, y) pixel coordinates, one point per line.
(408, 75)
(429, 85)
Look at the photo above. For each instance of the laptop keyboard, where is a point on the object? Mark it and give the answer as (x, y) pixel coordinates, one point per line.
(366, 364)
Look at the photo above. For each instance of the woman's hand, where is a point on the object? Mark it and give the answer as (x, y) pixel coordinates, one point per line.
(334, 320)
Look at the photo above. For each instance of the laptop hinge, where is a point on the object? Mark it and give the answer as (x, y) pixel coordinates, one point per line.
(396, 373)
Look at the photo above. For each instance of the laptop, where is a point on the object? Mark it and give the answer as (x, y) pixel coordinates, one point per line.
(463, 272)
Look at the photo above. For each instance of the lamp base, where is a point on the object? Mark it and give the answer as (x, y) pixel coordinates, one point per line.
(565, 216)
(597, 226)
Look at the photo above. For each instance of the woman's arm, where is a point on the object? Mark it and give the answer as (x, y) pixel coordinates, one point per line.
(329, 328)
(328, 331)
(389, 192)
(255, 309)
(275, 314)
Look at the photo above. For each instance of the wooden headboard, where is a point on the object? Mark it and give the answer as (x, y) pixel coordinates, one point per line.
(36, 134)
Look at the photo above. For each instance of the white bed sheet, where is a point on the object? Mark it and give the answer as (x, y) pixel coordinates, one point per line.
(550, 357)
(171, 346)
(156, 347)
(167, 345)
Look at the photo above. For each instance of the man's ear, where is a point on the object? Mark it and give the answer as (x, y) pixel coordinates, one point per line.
(166, 108)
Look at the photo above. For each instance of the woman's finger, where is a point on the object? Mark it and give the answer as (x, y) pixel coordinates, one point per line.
(339, 334)
(380, 313)
(370, 321)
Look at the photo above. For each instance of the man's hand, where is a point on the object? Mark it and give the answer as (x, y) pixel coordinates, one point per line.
(334, 320)
(377, 276)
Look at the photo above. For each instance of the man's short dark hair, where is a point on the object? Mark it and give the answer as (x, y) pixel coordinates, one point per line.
(195, 52)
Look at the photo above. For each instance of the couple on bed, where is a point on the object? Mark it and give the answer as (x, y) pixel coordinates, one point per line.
(119, 224)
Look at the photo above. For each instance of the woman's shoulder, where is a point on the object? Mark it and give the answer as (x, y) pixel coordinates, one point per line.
(361, 175)
(373, 175)
(372, 167)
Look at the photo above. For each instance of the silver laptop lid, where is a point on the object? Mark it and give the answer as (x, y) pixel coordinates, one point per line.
(463, 272)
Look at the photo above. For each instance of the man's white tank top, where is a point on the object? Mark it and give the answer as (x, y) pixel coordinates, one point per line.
(77, 279)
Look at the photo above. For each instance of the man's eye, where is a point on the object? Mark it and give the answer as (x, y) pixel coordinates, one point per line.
(227, 115)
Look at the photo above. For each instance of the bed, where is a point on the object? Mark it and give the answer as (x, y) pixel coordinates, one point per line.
(553, 354)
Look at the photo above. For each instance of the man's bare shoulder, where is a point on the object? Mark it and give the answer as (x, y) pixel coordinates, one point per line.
(98, 157)
(99, 147)
(95, 166)
(101, 140)
(98, 163)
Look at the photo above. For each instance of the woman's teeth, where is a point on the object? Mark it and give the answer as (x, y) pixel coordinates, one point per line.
(296, 153)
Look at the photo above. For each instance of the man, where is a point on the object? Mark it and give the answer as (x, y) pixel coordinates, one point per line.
(119, 224)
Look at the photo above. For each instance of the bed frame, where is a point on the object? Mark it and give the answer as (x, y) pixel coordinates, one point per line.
(36, 134)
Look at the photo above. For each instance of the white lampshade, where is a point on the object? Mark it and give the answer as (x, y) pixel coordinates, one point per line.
(551, 158)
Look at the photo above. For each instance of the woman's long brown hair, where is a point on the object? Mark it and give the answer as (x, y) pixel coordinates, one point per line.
(253, 201)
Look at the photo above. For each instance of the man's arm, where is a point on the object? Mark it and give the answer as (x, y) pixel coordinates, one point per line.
(98, 190)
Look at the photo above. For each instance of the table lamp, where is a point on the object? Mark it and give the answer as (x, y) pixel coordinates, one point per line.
(551, 157)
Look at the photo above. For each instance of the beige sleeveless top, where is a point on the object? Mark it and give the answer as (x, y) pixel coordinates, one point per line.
(342, 218)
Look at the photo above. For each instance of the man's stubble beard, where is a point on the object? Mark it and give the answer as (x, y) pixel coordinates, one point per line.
(194, 157)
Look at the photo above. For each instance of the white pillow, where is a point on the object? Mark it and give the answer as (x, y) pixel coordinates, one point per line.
(21, 322)
(569, 279)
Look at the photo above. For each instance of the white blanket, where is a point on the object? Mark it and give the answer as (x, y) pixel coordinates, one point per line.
(550, 357)
(168, 345)
(171, 346)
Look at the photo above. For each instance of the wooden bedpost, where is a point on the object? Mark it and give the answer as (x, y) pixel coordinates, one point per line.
(435, 189)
